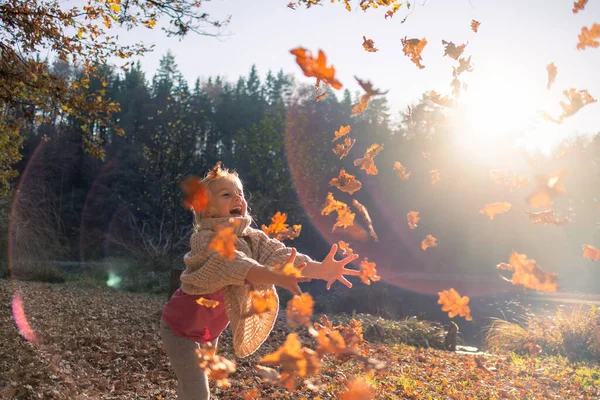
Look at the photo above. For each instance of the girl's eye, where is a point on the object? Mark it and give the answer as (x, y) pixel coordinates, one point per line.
(225, 194)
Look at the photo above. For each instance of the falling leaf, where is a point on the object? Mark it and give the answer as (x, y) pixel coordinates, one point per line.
(454, 304)
(588, 37)
(425, 154)
(579, 5)
(345, 217)
(224, 238)
(366, 163)
(368, 272)
(453, 51)
(475, 25)
(216, 171)
(207, 302)
(279, 230)
(464, 65)
(216, 367)
(299, 310)
(358, 389)
(316, 67)
(547, 217)
(320, 96)
(292, 5)
(534, 349)
(344, 130)
(492, 209)
(428, 242)
(359, 107)
(345, 248)
(364, 99)
(413, 219)
(369, 45)
(195, 194)
(434, 175)
(552, 71)
(591, 252)
(261, 302)
(401, 171)
(346, 182)
(268, 375)
(548, 187)
(362, 210)
(395, 8)
(527, 273)
(412, 48)
(439, 100)
(293, 358)
(331, 205)
(342, 150)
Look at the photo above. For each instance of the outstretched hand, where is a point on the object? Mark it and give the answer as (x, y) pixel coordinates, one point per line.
(332, 270)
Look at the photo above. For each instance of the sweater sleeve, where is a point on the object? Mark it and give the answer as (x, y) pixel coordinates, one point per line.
(207, 272)
(272, 252)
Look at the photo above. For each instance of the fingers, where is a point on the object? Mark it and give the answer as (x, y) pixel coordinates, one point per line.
(292, 256)
(332, 252)
(351, 272)
(304, 279)
(301, 265)
(329, 283)
(296, 289)
(348, 259)
(345, 282)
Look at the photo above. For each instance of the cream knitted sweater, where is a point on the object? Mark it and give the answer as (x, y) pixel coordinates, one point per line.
(207, 272)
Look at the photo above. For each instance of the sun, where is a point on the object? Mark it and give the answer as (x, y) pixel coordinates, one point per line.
(498, 113)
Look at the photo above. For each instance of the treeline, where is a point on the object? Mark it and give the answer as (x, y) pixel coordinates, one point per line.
(74, 206)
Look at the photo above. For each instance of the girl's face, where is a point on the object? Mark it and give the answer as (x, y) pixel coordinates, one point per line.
(227, 199)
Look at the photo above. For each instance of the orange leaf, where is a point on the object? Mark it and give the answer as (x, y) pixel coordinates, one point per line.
(224, 238)
(579, 5)
(331, 205)
(475, 25)
(492, 209)
(413, 219)
(368, 272)
(207, 302)
(261, 302)
(293, 358)
(362, 210)
(425, 154)
(435, 175)
(342, 150)
(345, 248)
(439, 100)
(549, 186)
(364, 99)
(552, 71)
(547, 217)
(345, 217)
(577, 100)
(412, 48)
(453, 51)
(591, 252)
(395, 8)
(428, 242)
(344, 130)
(527, 273)
(366, 163)
(346, 182)
(534, 349)
(279, 230)
(454, 304)
(316, 67)
(464, 65)
(358, 389)
(299, 310)
(588, 37)
(369, 45)
(216, 367)
(216, 171)
(401, 171)
(195, 194)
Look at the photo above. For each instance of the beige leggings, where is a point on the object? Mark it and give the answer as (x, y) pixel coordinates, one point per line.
(192, 382)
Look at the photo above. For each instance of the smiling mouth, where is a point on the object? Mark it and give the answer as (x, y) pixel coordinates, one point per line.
(236, 211)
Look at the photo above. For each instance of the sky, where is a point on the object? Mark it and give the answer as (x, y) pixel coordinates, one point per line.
(507, 89)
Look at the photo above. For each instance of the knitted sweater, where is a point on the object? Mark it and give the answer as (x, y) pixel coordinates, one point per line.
(207, 272)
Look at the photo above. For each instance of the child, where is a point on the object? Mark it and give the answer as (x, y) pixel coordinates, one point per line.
(185, 323)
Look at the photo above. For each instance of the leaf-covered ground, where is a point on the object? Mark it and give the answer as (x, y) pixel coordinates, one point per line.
(103, 344)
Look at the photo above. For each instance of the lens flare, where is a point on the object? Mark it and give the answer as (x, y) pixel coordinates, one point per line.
(21, 321)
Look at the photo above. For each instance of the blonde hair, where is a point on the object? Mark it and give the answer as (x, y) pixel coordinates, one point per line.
(210, 179)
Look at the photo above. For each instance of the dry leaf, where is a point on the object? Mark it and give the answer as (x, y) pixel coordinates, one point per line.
(579, 5)
(358, 389)
(435, 175)
(345, 248)
(207, 302)
(342, 150)
(412, 48)
(195, 194)
(401, 171)
(589, 37)
(369, 45)
(261, 302)
(346, 182)
(366, 163)
(293, 358)
(534, 349)
(453, 51)
(454, 304)
(344, 130)
(527, 273)
(413, 219)
(547, 217)
(464, 65)
(216, 367)
(394, 9)
(368, 272)
(364, 99)
(442, 101)
(548, 187)
(362, 210)
(316, 67)
(492, 209)
(224, 238)
(299, 310)
(428, 242)
(552, 71)
(279, 230)
(591, 252)
(475, 25)
(345, 217)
